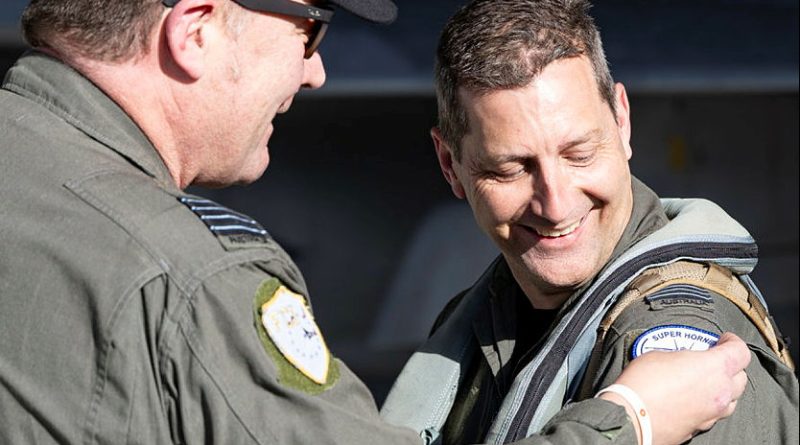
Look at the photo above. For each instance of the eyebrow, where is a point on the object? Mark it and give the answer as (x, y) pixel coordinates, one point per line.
(582, 139)
(502, 159)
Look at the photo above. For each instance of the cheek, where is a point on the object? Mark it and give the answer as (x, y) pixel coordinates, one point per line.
(500, 204)
(607, 183)
(620, 187)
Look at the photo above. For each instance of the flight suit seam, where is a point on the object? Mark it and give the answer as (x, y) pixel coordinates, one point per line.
(89, 130)
(103, 360)
(183, 280)
(221, 264)
(132, 230)
(186, 328)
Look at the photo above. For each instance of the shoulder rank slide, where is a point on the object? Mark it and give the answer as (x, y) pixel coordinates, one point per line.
(237, 228)
(673, 337)
(681, 295)
(681, 291)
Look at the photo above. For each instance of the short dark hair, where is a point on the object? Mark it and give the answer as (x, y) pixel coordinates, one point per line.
(103, 30)
(492, 45)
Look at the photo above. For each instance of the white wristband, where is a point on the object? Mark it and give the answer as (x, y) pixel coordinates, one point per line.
(642, 416)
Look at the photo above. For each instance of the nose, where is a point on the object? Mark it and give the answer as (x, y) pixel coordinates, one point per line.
(313, 72)
(551, 194)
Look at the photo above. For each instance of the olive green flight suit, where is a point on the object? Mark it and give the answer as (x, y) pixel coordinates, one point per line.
(767, 412)
(125, 319)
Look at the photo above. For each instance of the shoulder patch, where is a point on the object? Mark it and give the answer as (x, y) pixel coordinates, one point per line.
(292, 339)
(681, 295)
(234, 229)
(673, 337)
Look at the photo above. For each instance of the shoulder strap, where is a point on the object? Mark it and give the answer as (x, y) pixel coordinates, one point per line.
(704, 275)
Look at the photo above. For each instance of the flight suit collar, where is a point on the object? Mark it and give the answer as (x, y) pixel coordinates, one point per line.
(67, 93)
(496, 325)
(647, 216)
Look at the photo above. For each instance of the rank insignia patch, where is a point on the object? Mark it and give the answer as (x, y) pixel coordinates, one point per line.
(681, 295)
(234, 230)
(673, 338)
(292, 338)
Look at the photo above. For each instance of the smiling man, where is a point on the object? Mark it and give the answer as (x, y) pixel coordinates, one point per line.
(131, 311)
(594, 269)
(545, 169)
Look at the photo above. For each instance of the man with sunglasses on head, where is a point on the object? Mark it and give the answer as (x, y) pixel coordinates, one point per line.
(133, 312)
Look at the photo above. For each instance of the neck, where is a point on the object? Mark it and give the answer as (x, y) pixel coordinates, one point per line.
(152, 101)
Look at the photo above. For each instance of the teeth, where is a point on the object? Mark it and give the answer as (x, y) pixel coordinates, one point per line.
(556, 233)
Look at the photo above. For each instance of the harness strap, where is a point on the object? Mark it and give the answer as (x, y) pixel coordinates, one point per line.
(708, 276)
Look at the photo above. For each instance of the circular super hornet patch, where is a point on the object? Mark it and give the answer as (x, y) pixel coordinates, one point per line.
(291, 327)
(673, 337)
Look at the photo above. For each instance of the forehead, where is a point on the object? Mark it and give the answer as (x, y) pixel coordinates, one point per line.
(562, 101)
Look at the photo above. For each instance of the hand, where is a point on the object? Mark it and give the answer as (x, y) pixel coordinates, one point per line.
(686, 392)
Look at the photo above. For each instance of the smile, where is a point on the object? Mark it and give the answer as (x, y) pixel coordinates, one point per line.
(553, 233)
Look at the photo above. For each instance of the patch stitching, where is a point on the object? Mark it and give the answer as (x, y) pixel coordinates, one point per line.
(281, 316)
(288, 374)
(704, 339)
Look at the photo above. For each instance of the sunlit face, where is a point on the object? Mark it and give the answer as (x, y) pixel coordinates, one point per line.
(261, 70)
(545, 170)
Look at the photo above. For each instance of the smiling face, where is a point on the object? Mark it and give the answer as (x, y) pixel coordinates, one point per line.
(545, 170)
(256, 77)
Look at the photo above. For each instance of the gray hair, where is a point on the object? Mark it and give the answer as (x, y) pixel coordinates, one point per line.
(102, 30)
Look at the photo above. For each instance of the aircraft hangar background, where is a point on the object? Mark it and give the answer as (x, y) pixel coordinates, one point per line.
(354, 193)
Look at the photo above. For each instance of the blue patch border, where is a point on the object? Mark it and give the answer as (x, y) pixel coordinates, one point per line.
(645, 333)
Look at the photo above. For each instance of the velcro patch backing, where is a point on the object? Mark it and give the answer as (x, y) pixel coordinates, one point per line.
(292, 339)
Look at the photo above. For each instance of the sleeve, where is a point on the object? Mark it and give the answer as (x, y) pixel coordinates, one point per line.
(589, 422)
(220, 384)
(688, 317)
(224, 383)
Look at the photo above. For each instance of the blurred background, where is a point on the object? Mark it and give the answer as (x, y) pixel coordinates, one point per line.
(354, 192)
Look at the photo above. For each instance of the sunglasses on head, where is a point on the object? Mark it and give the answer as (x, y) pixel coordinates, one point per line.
(319, 15)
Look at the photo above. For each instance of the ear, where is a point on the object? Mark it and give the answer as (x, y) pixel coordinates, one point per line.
(445, 156)
(185, 31)
(623, 117)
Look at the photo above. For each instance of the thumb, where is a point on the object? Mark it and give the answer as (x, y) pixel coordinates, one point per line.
(737, 355)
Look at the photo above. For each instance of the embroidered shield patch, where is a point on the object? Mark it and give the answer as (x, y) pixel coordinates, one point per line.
(673, 338)
(290, 325)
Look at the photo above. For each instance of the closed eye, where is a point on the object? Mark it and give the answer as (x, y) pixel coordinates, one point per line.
(581, 157)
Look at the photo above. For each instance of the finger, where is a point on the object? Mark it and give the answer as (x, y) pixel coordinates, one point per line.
(739, 384)
(705, 426)
(726, 412)
(730, 410)
(737, 355)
